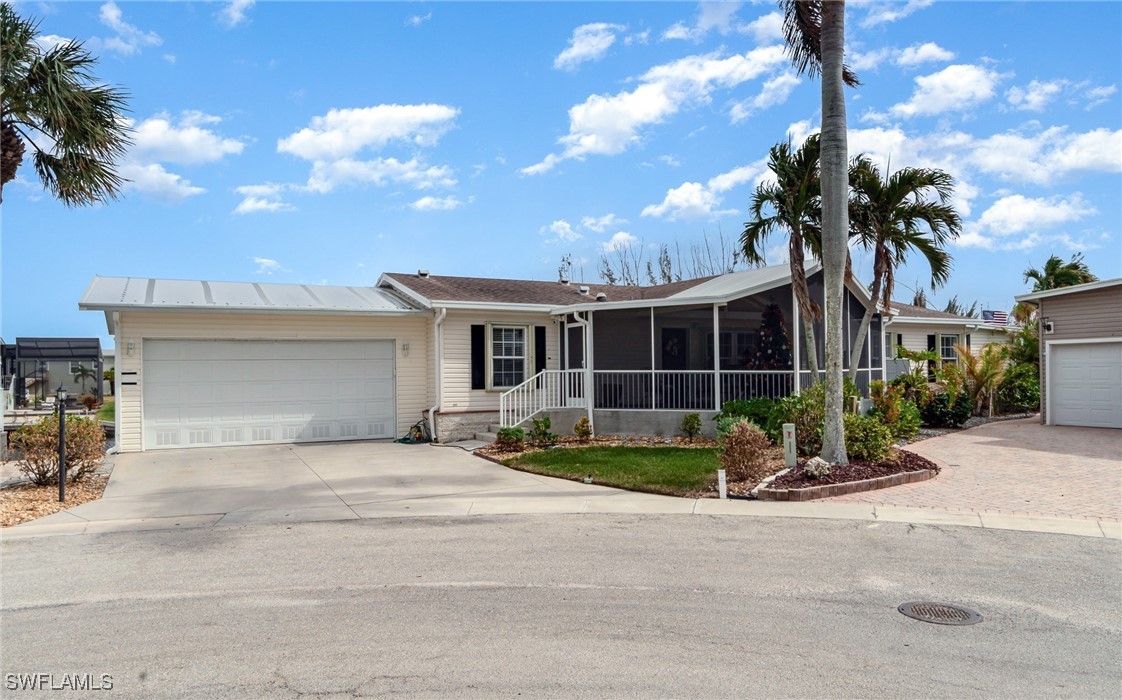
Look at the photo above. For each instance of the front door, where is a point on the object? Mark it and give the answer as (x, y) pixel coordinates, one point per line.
(675, 348)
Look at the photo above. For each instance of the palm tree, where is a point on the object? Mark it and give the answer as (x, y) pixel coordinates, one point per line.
(958, 308)
(893, 217)
(815, 35)
(83, 374)
(52, 101)
(109, 375)
(1056, 273)
(792, 203)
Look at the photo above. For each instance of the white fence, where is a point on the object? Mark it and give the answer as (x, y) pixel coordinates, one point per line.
(551, 388)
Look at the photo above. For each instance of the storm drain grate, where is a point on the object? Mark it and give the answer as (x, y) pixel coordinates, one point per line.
(940, 613)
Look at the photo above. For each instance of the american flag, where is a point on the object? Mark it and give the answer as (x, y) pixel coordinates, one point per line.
(997, 318)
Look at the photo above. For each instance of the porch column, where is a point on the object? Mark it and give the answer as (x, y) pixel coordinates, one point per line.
(796, 325)
(716, 358)
(589, 380)
(653, 377)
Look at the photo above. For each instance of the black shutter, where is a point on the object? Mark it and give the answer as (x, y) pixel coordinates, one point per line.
(931, 342)
(967, 341)
(539, 348)
(478, 357)
(931, 365)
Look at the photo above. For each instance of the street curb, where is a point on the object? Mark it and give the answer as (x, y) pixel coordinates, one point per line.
(811, 493)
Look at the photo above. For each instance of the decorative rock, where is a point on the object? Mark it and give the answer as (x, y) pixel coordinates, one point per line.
(816, 467)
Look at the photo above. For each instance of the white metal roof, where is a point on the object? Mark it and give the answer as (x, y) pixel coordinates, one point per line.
(143, 293)
(1073, 289)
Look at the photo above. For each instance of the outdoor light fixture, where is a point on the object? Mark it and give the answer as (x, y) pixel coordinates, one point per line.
(60, 394)
(130, 347)
(405, 349)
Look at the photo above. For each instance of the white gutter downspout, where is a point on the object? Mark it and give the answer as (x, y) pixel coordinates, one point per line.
(586, 329)
(438, 352)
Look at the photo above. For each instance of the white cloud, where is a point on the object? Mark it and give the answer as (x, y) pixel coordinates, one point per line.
(670, 160)
(417, 20)
(1035, 96)
(923, 53)
(590, 42)
(1048, 154)
(1017, 213)
(562, 231)
(609, 125)
(327, 175)
(775, 91)
(155, 182)
(883, 12)
(618, 241)
(127, 39)
(47, 42)
(868, 60)
(719, 16)
(170, 58)
(430, 203)
(343, 132)
(185, 141)
(1099, 95)
(958, 87)
(765, 29)
(267, 266)
(234, 13)
(693, 200)
(599, 224)
(262, 198)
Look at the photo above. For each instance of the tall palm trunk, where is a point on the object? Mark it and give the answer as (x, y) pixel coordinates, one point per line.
(835, 221)
(808, 310)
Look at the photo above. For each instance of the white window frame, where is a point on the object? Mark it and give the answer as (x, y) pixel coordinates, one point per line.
(953, 358)
(527, 356)
(74, 364)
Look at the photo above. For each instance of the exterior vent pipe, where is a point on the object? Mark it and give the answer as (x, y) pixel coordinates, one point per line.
(422, 273)
(600, 296)
(583, 290)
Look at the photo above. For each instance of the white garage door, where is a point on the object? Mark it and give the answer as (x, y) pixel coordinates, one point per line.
(200, 393)
(1086, 385)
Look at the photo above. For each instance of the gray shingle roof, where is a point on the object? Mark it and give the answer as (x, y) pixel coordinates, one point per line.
(909, 311)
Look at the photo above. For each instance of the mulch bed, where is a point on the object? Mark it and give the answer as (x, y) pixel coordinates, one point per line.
(568, 441)
(898, 462)
(20, 503)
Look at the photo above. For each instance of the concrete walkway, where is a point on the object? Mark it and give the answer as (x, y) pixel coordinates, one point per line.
(1016, 468)
(221, 487)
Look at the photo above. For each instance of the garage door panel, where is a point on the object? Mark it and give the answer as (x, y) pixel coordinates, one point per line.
(200, 393)
(1085, 385)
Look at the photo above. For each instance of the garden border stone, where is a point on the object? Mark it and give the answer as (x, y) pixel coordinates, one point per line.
(828, 490)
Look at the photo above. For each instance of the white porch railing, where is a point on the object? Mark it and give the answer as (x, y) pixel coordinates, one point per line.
(740, 385)
(551, 388)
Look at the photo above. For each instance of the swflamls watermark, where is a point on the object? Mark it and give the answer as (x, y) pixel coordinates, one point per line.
(61, 681)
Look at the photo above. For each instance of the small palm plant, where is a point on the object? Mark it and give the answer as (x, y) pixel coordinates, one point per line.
(982, 372)
(84, 374)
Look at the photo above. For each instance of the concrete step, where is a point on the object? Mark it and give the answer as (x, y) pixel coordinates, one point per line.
(494, 428)
(486, 437)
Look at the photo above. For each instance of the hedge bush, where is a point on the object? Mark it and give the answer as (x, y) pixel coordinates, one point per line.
(940, 410)
(539, 432)
(807, 411)
(691, 425)
(866, 438)
(743, 453)
(1019, 390)
(510, 439)
(889, 405)
(757, 410)
(38, 445)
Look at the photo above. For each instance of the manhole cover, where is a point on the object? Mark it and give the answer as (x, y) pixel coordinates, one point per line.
(940, 613)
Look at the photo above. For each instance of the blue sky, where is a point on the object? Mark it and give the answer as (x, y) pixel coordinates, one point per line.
(326, 143)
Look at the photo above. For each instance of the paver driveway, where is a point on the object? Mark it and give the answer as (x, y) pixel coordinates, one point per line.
(1016, 467)
(325, 481)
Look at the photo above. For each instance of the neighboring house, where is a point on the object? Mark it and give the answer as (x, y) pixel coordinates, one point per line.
(108, 362)
(220, 363)
(36, 367)
(918, 329)
(1080, 353)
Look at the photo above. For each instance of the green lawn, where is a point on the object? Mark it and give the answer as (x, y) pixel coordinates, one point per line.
(108, 410)
(675, 471)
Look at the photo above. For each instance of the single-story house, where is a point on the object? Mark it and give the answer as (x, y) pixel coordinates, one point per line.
(222, 363)
(32, 369)
(1080, 353)
(918, 328)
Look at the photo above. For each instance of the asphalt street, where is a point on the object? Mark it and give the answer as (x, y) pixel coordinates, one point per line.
(565, 606)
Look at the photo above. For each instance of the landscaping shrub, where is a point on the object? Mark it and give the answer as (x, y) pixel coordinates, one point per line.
(982, 372)
(583, 429)
(539, 432)
(866, 438)
(38, 443)
(510, 439)
(757, 410)
(691, 425)
(743, 453)
(889, 405)
(88, 400)
(940, 410)
(1019, 390)
(913, 386)
(807, 411)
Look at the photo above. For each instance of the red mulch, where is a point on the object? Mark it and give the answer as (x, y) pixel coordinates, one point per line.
(897, 462)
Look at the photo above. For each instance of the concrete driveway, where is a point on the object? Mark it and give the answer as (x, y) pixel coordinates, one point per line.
(325, 481)
(1017, 467)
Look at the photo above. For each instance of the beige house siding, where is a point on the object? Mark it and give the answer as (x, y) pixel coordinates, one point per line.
(457, 396)
(915, 335)
(414, 391)
(1082, 315)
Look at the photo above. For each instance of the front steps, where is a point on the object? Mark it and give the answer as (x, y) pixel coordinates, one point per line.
(490, 435)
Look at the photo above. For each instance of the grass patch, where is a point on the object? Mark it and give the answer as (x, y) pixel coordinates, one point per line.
(674, 471)
(108, 410)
